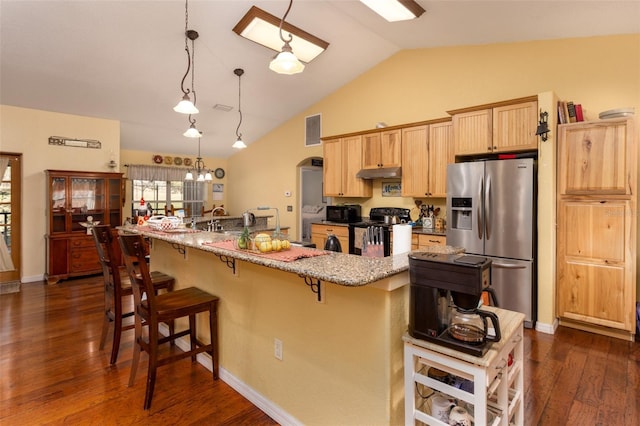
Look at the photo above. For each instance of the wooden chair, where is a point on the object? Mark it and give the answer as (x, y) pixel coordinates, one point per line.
(171, 210)
(154, 309)
(117, 287)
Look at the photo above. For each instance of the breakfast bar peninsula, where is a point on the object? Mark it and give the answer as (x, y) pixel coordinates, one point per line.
(316, 340)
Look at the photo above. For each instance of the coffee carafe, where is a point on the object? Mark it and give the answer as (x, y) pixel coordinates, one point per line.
(471, 326)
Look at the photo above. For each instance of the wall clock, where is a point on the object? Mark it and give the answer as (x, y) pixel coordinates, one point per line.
(219, 173)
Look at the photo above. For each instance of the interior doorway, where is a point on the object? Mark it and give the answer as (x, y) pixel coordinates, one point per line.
(10, 229)
(312, 203)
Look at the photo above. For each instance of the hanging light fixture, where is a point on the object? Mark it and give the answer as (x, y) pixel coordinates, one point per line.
(203, 174)
(239, 144)
(286, 62)
(192, 131)
(185, 106)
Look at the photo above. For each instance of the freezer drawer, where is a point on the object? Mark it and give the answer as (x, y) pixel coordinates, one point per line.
(513, 283)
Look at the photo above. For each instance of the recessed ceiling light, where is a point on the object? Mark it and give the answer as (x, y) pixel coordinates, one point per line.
(263, 28)
(395, 10)
(220, 107)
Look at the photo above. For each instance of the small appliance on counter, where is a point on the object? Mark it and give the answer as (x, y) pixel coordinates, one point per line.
(443, 307)
(376, 230)
(345, 213)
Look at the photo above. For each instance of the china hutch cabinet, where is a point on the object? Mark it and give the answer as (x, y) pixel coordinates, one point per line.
(76, 199)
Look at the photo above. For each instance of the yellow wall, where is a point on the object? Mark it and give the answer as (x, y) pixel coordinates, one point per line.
(27, 131)
(601, 73)
(145, 157)
(342, 358)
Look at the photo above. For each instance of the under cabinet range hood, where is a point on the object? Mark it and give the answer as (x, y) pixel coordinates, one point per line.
(381, 173)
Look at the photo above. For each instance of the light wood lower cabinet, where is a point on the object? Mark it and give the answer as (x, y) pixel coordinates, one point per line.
(425, 240)
(319, 233)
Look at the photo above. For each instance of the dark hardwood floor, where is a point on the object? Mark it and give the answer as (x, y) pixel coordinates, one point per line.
(51, 372)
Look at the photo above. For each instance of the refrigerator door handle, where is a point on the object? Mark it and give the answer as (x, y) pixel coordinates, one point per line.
(479, 209)
(507, 265)
(487, 208)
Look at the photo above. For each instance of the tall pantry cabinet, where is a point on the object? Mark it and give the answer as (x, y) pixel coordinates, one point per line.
(597, 226)
(73, 197)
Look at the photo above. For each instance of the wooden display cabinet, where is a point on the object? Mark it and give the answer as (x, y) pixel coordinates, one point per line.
(73, 197)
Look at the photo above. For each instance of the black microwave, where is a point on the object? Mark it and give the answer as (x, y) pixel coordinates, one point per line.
(346, 213)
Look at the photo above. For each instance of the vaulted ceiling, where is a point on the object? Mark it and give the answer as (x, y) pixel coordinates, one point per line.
(124, 60)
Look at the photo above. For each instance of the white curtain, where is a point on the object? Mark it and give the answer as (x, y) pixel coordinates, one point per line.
(6, 264)
(144, 172)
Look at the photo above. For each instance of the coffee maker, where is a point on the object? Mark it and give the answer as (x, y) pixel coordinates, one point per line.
(445, 292)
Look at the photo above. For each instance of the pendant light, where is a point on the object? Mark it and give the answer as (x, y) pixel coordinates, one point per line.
(286, 62)
(185, 106)
(239, 144)
(203, 174)
(192, 131)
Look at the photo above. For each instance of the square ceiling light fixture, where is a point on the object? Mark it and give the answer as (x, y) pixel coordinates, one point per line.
(263, 28)
(395, 10)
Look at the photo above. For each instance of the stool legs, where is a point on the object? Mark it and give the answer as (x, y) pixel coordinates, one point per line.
(213, 335)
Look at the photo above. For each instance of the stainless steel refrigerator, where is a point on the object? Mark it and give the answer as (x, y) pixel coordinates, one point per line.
(491, 208)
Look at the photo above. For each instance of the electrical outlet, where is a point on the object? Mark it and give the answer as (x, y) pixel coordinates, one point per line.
(277, 349)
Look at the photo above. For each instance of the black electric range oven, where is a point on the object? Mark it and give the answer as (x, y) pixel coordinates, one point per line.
(375, 224)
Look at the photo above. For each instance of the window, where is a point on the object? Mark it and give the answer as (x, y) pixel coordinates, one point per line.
(188, 196)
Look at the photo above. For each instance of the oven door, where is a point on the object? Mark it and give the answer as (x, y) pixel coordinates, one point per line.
(358, 232)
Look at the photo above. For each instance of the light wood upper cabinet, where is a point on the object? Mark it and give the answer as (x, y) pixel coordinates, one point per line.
(342, 160)
(598, 157)
(381, 149)
(493, 128)
(514, 127)
(426, 151)
(472, 132)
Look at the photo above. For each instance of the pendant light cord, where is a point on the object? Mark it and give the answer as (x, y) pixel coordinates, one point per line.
(239, 72)
(186, 48)
(282, 21)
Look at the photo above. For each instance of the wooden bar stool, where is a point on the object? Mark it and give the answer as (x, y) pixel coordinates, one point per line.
(162, 308)
(117, 287)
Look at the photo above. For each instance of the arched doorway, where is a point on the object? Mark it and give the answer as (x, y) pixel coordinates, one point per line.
(312, 202)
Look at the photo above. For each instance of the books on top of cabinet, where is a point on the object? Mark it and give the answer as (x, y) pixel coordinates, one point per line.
(569, 112)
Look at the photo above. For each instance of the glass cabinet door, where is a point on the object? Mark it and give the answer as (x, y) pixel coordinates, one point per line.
(87, 200)
(58, 204)
(115, 200)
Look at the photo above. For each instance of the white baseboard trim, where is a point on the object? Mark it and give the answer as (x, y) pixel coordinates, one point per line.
(271, 409)
(32, 279)
(547, 328)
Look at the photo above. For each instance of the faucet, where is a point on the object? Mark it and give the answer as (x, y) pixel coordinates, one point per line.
(216, 209)
(214, 224)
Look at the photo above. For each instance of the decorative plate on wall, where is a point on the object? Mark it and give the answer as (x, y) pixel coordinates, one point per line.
(187, 162)
(168, 160)
(177, 161)
(219, 173)
(157, 159)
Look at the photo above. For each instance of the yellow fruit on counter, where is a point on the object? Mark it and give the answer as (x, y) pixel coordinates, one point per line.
(286, 245)
(262, 238)
(265, 247)
(276, 245)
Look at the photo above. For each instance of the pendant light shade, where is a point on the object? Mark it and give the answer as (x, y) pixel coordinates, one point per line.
(185, 106)
(192, 131)
(286, 62)
(239, 144)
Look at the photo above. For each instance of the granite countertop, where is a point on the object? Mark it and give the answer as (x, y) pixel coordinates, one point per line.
(339, 268)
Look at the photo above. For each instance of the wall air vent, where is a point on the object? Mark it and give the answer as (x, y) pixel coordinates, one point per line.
(312, 132)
